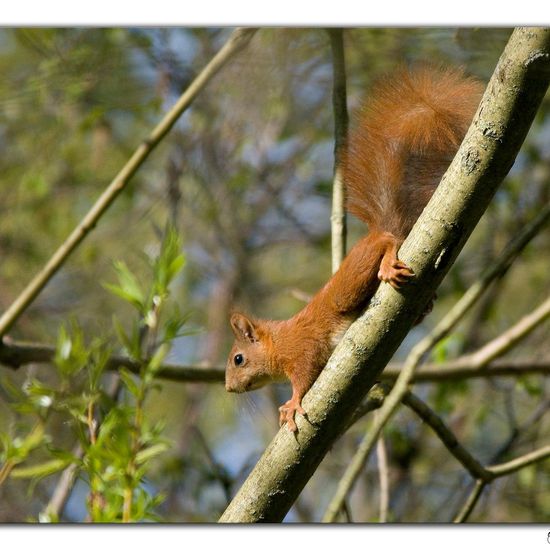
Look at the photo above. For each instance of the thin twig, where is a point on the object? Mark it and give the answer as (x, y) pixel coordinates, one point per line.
(355, 467)
(461, 370)
(347, 512)
(519, 432)
(447, 437)
(499, 470)
(466, 510)
(520, 462)
(237, 41)
(510, 337)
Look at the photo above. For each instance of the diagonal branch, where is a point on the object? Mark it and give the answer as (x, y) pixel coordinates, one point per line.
(509, 338)
(476, 469)
(484, 158)
(471, 501)
(237, 41)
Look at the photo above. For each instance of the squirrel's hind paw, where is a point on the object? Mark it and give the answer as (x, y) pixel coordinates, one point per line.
(396, 273)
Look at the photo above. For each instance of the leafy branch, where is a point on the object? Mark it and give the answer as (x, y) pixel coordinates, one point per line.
(117, 441)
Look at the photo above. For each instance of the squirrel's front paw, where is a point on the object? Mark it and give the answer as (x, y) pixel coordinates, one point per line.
(287, 413)
(396, 273)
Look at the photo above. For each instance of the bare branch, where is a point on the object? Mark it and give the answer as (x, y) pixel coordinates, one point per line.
(447, 437)
(465, 370)
(468, 507)
(510, 337)
(16, 354)
(520, 462)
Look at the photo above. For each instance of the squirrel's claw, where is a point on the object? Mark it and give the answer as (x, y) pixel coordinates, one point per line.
(287, 413)
(395, 274)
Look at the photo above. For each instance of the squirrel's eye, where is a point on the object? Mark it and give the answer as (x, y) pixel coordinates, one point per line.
(238, 359)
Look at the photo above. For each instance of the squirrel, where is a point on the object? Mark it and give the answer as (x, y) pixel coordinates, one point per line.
(404, 139)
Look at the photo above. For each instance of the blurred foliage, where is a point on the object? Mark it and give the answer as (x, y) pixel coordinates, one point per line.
(245, 178)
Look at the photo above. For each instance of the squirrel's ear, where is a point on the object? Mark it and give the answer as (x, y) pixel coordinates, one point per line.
(244, 328)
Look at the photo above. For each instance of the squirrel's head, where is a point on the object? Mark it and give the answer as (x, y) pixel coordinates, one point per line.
(248, 366)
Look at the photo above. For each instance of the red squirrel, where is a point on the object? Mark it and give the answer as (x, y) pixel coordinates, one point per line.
(405, 137)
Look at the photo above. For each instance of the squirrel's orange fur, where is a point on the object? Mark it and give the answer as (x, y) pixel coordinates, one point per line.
(405, 136)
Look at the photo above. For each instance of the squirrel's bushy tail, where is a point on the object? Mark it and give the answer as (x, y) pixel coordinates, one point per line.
(405, 138)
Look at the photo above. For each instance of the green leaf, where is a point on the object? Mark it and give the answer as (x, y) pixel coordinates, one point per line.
(129, 288)
(125, 295)
(13, 391)
(71, 355)
(6, 442)
(21, 448)
(156, 361)
(174, 324)
(129, 342)
(129, 381)
(40, 470)
(169, 262)
(151, 452)
(98, 361)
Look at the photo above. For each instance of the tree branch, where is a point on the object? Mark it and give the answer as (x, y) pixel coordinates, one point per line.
(510, 337)
(17, 354)
(460, 370)
(237, 41)
(468, 507)
(447, 437)
(484, 158)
